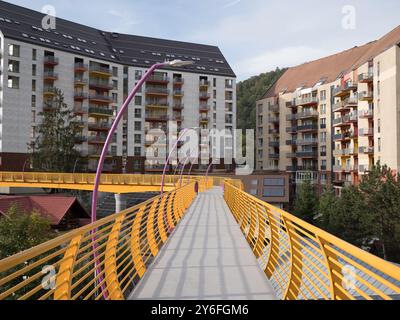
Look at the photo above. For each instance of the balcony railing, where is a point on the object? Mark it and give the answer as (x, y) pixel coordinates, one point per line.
(50, 60)
(308, 127)
(366, 150)
(273, 144)
(204, 95)
(80, 95)
(101, 84)
(156, 117)
(160, 91)
(363, 132)
(308, 114)
(345, 89)
(101, 111)
(204, 83)
(179, 81)
(101, 70)
(307, 142)
(274, 108)
(97, 139)
(100, 97)
(365, 114)
(179, 92)
(307, 154)
(307, 101)
(366, 96)
(158, 78)
(99, 126)
(273, 120)
(366, 77)
(179, 106)
(204, 108)
(291, 117)
(50, 75)
(80, 110)
(82, 67)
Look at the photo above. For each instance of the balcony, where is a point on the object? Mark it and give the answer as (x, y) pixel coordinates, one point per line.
(363, 132)
(345, 136)
(80, 82)
(366, 96)
(49, 91)
(204, 119)
(81, 67)
(100, 71)
(204, 83)
(178, 81)
(50, 61)
(154, 117)
(80, 110)
(101, 85)
(291, 130)
(204, 108)
(345, 89)
(50, 76)
(178, 93)
(307, 154)
(273, 144)
(101, 126)
(178, 118)
(366, 114)
(367, 150)
(347, 104)
(157, 91)
(344, 152)
(158, 79)
(274, 108)
(273, 131)
(157, 104)
(307, 101)
(301, 168)
(99, 98)
(97, 140)
(346, 120)
(364, 168)
(308, 114)
(307, 142)
(178, 107)
(274, 156)
(100, 112)
(366, 77)
(80, 96)
(291, 142)
(274, 120)
(291, 104)
(204, 96)
(307, 127)
(291, 117)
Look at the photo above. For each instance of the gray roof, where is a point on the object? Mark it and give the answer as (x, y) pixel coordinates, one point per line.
(26, 25)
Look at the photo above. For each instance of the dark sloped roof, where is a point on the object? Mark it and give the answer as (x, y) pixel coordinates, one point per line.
(53, 208)
(331, 67)
(25, 25)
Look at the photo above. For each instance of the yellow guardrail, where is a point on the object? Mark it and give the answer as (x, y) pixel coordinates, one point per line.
(104, 260)
(304, 262)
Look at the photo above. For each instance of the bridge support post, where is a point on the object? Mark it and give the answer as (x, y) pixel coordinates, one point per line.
(120, 202)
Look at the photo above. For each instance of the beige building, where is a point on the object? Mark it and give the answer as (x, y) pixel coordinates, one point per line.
(331, 119)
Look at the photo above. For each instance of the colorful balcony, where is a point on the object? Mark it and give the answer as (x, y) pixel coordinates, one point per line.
(158, 79)
(101, 85)
(81, 67)
(157, 104)
(366, 114)
(178, 107)
(102, 72)
(50, 76)
(366, 77)
(100, 112)
(99, 98)
(204, 84)
(157, 91)
(204, 96)
(80, 82)
(80, 110)
(363, 132)
(50, 61)
(49, 91)
(179, 82)
(366, 96)
(154, 117)
(307, 101)
(178, 93)
(367, 150)
(80, 96)
(344, 90)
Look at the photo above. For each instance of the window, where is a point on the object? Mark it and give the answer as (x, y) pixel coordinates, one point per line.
(274, 182)
(138, 138)
(323, 137)
(115, 71)
(214, 82)
(253, 192)
(136, 164)
(274, 192)
(138, 151)
(138, 126)
(323, 109)
(379, 88)
(379, 125)
(228, 95)
(33, 116)
(115, 84)
(13, 82)
(138, 74)
(33, 85)
(34, 54)
(215, 94)
(215, 105)
(34, 70)
(138, 101)
(379, 144)
(254, 182)
(13, 50)
(138, 113)
(323, 123)
(33, 100)
(13, 66)
(115, 97)
(322, 95)
(229, 83)
(114, 150)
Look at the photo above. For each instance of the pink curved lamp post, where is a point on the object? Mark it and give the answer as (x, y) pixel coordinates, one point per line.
(175, 63)
(208, 171)
(183, 169)
(183, 133)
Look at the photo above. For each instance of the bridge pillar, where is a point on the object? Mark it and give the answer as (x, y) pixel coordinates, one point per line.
(121, 202)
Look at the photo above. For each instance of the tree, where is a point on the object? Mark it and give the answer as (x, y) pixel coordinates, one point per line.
(54, 148)
(327, 209)
(306, 203)
(381, 191)
(20, 231)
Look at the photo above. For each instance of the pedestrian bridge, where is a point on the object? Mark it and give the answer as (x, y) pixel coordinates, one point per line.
(219, 244)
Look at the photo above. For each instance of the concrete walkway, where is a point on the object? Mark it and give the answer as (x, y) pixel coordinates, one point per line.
(207, 258)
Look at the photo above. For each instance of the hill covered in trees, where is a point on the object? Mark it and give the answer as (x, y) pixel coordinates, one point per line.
(248, 92)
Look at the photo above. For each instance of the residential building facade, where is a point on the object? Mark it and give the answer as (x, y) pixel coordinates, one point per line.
(330, 120)
(95, 71)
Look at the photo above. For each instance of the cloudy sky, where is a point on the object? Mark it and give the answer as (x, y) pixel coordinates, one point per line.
(255, 35)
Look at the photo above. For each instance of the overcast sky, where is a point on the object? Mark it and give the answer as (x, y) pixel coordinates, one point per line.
(255, 35)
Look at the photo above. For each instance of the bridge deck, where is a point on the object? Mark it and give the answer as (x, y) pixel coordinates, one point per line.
(206, 258)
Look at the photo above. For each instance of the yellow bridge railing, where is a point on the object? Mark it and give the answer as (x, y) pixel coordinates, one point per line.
(304, 262)
(104, 260)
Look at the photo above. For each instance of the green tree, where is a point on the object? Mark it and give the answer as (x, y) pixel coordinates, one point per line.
(327, 209)
(20, 231)
(250, 91)
(381, 191)
(54, 148)
(306, 203)
(352, 221)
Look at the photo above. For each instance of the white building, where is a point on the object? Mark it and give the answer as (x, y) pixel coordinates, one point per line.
(95, 70)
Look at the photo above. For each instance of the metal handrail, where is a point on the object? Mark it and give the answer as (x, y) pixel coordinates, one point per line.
(125, 244)
(304, 262)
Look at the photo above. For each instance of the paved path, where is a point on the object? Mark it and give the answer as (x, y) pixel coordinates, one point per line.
(206, 258)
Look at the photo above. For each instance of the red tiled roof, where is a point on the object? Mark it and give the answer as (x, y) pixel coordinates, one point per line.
(54, 208)
(330, 68)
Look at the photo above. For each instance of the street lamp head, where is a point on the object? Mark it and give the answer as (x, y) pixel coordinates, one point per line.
(179, 63)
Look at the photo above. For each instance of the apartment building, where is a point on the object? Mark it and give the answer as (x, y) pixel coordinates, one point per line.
(330, 120)
(95, 70)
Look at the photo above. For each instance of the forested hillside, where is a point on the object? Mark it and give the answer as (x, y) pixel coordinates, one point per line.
(248, 92)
